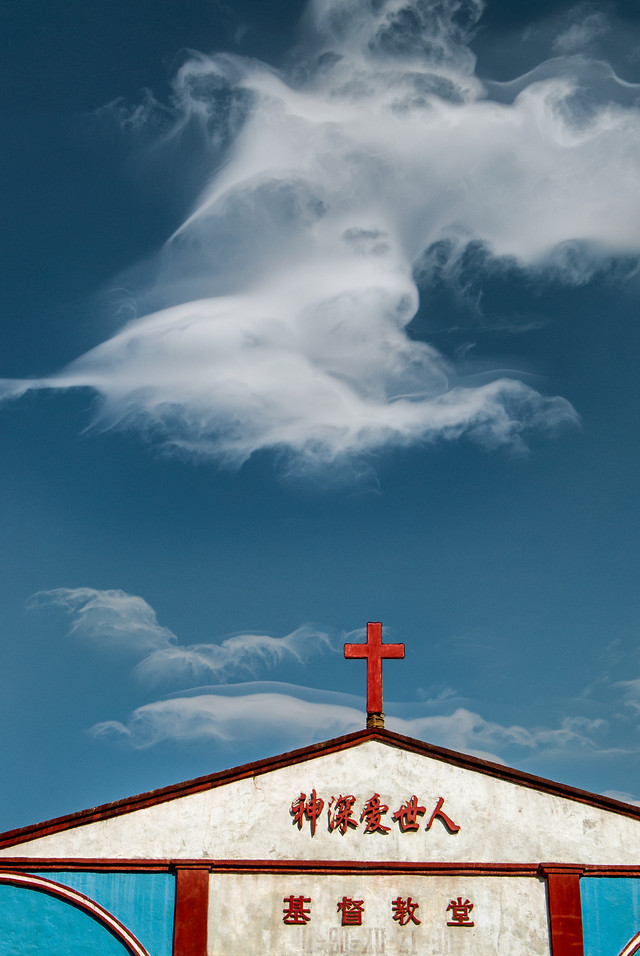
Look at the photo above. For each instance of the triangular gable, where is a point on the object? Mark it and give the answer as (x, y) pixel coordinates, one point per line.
(465, 809)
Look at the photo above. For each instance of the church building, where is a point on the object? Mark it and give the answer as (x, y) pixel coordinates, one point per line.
(371, 843)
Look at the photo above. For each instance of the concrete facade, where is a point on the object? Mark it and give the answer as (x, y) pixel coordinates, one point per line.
(372, 843)
(500, 821)
(509, 915)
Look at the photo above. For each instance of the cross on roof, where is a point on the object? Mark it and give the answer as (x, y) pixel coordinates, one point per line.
(374, 651)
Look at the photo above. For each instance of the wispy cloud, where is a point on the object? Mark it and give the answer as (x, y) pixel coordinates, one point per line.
(110, 619)
(623, 795)
(629, 691)
(206, 706)
(117, 621)
(242, 655)
(291, 715)
(245, 718)
(583, 24)
(468, 731)
(278, 316)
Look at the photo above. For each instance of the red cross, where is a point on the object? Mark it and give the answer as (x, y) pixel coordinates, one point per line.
(374, 650)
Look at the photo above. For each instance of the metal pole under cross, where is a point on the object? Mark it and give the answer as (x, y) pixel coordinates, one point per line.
(374, 651)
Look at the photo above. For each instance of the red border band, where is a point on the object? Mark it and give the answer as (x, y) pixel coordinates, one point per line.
(192, 910)
(424, 867)
(565, 909)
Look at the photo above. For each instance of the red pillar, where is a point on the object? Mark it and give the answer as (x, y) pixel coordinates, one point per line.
(192, 910)
(565, 910)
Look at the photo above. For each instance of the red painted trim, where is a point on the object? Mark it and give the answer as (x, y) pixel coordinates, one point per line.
(374, 867)
(565, 909)
(420, 867)
(33, 863)
(192, 911)
(81, 902)
(211, 781)
(633, 946)
(37, 864)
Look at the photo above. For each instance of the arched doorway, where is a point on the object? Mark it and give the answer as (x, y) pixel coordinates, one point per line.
(40, 916)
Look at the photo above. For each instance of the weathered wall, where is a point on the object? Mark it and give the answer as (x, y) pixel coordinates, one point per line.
(250, 819)
(246, 916)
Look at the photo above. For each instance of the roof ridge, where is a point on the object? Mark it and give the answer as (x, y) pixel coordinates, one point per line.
(310, 752)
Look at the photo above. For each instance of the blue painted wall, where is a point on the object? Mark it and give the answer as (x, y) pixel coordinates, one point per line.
(144, 902)
(35, 923)
(610, 913)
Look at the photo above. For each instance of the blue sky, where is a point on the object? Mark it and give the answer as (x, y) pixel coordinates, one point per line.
(314, 315)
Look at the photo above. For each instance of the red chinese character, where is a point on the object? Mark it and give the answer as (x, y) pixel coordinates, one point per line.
(311, 808)
(372, 813)
(296, 912)
(297, 810)
(341, 813)
(460, 912)
(351, 911)
(407, 815)
(438, 812)
(404, 911)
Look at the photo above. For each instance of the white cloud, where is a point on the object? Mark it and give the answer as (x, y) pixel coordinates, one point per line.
(110, 619)
(630, 692)
(279, 312)
(242, 655)
(232, 719)
(468, 731)
(291, 716)
(115, 620)
(622, 795)
(585, 25)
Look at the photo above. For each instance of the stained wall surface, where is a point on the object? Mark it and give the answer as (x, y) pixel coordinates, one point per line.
(246, 916)
(499, 820)
(397, 834)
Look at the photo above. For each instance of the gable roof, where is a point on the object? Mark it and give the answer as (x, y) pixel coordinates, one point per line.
(257, 768)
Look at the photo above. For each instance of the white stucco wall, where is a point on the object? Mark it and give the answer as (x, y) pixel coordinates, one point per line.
(246, 916)
(250, 819)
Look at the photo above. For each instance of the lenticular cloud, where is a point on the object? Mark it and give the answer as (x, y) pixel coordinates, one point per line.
(278, 317)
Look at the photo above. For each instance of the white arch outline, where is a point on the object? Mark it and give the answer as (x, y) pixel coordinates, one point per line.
(82, 902)
(633, 946)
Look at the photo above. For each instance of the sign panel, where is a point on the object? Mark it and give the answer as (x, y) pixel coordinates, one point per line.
(386, 915)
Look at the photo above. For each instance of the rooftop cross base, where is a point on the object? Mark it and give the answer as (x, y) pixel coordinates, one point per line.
(373, 652)
(375, 721)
